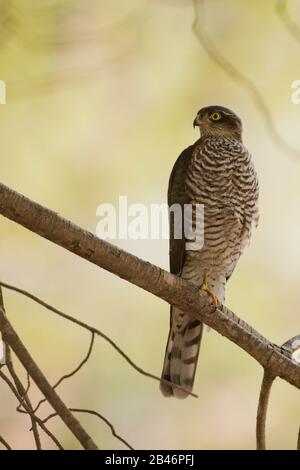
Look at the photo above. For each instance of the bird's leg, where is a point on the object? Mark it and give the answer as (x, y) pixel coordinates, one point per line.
(205, 288)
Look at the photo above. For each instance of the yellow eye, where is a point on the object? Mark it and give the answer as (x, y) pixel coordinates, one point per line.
(215, 116)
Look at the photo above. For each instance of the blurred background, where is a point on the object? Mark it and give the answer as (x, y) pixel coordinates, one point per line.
(101, 96)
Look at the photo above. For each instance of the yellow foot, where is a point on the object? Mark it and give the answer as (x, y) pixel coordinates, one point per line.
(206, 289)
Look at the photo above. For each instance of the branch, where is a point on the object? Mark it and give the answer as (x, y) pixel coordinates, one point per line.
(5, 443)
(21, 390)
(291, 347)
(70, 374)
(37, 375)
(172, 289)
(264, 396)
(95, 413)
(32, 415)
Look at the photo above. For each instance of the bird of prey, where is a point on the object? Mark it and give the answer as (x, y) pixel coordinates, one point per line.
(217, 171)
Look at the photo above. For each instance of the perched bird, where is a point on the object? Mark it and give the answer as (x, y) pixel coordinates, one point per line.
(218, 172)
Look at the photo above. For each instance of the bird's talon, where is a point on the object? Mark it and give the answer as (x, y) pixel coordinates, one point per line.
(214, 298)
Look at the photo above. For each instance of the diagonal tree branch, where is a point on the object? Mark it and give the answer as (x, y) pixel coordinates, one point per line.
(151, 278)
(5, 443)
(14, 342)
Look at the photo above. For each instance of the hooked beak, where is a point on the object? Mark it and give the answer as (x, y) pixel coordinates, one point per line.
(197, 122)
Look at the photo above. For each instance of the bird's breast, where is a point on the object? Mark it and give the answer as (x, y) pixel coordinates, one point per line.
(222, 178)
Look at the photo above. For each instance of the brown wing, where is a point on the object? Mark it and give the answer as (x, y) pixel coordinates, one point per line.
(177, 195)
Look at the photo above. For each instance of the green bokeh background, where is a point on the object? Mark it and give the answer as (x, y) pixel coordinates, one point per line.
(101, 96)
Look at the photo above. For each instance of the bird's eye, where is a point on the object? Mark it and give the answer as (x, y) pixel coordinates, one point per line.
(215, 116)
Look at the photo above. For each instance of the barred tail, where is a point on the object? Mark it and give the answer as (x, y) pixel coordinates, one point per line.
(181, 357)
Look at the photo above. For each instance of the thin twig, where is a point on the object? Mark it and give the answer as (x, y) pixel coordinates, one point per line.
(95, 413)
(42, 383)
(113, 431)
(92, 330)
(218, 58)
(25, 394)
(34, 417)
(24, 398)
(19, 385)
(70, 374)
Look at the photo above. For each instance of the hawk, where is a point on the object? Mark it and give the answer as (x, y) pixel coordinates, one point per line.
(217, 171)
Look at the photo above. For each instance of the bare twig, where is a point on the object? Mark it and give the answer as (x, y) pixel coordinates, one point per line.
(113, 431)
(34, 417)
(70, 374)
(91, 329)
(42, 383)
(95, 413)
(241, 79)
(24, 398)
(25, 394)
(19, 384)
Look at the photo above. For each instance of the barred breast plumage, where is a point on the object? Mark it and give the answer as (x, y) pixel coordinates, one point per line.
(221, 176)
(218, 172)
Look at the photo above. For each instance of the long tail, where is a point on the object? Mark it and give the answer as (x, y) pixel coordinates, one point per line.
(181, 355)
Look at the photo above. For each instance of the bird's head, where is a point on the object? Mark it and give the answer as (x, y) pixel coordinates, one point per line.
(218, 121)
